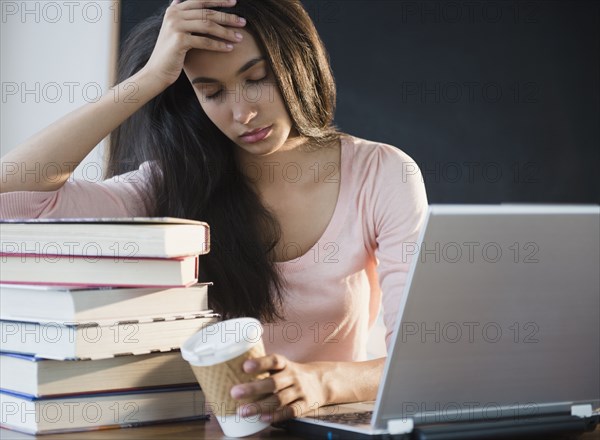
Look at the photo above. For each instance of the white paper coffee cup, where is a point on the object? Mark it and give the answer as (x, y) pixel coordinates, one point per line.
(216, 354)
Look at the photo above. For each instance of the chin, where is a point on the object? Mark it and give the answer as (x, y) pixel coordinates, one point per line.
(261, 150)
(268, 146)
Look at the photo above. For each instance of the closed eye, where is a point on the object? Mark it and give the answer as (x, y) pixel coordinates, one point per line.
(215, 95)
(252, 81)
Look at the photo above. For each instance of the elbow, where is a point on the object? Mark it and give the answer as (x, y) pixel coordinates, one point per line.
(22, 178)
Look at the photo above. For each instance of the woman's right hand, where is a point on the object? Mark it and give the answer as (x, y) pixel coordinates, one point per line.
(175, 38)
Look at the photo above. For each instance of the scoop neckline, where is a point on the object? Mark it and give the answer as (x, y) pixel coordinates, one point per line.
(337, 220)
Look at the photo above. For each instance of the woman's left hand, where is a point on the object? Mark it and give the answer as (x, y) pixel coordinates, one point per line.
(292, 388)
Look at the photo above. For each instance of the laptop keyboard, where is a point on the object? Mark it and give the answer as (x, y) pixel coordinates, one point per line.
(354, 418)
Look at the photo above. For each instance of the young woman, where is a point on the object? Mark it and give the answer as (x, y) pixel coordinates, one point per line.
(230, 122)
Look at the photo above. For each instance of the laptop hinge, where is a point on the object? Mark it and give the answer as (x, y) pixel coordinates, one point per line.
(400, 426)
(581, 410)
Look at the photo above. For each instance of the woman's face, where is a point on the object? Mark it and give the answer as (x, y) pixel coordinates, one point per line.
(239, 93)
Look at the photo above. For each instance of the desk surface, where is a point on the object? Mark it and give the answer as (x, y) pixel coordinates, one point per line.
(196, 430)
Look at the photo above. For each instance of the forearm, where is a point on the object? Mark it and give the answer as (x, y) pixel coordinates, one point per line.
(66, 142)
(350, 381)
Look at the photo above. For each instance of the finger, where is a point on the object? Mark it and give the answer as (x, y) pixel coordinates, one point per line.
(273, 362)
(203, 4)
(196, 42)
(254, 390)
(211, 29)
(262, 407)
(270, 404)
(293, 409)
(221, 18)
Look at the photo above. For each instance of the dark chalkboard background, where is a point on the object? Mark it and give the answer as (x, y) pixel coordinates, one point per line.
(496, 101)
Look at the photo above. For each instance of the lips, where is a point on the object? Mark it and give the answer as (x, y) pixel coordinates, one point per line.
(256, 135)
(252, 132)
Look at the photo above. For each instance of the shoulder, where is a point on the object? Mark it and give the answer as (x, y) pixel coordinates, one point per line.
(140, 175)
(389, 185)
(374, 149)
(381, 164)
(135, 182)
(391, 189)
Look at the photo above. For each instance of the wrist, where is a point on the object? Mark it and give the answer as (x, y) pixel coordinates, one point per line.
(343, 382)
(326, 375)
(149, 82)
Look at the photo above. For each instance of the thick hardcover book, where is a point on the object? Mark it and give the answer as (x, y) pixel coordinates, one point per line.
(83, 412)
(58, 340)
(162, 237)
(82, 304)
(98, 271)
(40, 377)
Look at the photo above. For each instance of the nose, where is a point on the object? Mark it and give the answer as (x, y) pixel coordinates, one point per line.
(244, 111)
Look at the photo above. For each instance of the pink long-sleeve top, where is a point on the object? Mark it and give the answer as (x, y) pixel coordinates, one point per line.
(335, 290)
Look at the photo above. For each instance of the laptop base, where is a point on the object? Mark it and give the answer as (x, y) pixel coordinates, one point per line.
(548, 427)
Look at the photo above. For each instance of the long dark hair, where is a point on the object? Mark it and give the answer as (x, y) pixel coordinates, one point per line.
(195, 175)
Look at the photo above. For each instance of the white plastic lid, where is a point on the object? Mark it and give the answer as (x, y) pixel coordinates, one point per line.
(222, 341)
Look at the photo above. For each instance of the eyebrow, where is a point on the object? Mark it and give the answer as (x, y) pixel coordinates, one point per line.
(248, 65)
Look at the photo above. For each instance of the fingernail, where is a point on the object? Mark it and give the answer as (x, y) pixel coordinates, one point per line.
(241, 20)
(246, 411)
(238, 36)
(237, 392)
(249, 365)
(266, 417)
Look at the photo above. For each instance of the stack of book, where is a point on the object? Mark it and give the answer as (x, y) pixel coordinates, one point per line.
(92, 314)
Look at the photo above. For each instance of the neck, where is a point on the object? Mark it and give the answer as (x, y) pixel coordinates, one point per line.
(281, 167)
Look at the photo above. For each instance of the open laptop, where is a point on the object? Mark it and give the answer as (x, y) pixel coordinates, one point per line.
(498, 333)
